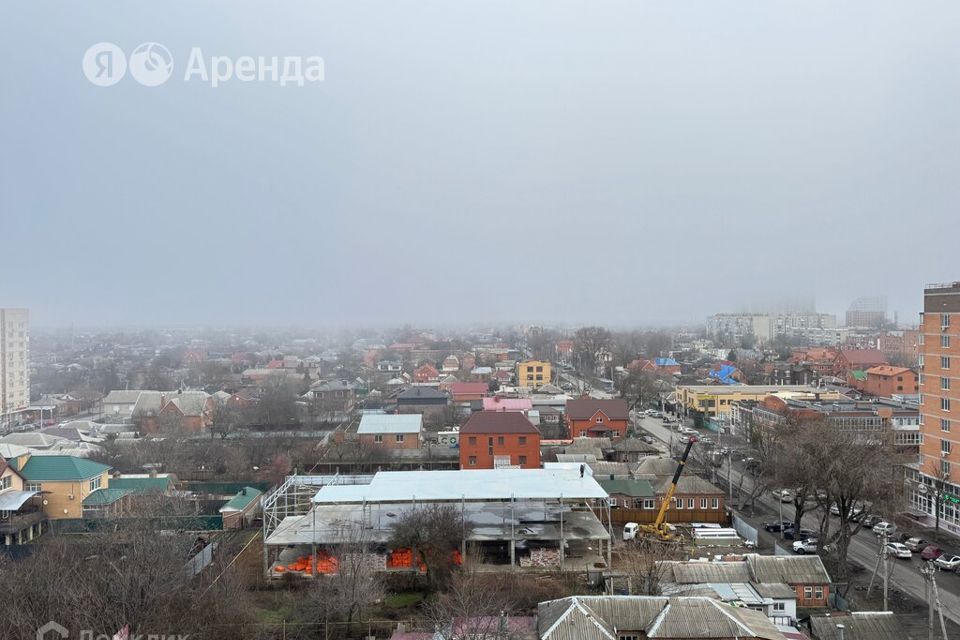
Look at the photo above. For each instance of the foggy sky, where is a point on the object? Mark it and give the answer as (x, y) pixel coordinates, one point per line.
(507, 160)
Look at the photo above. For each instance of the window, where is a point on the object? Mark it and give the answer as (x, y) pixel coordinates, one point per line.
(378, 438)
(944, 362)
(944, 320)
(679, 502)
(715, 503)
(523, 460)
(399, 437)
(500, 440)
(945, 446)
(779, 606)
(818, 593)
(472, 440)
(945, 341)
(945, 404)
(628, 636)
(691, 503)
(539, 369)
(5, 483)
(703, 503)
(808, 592)
(95, 483)
(920, 378)
(944, 424)
(472, 461)
(945, 384)
(649, 503)
(945, 468)
(599, 419)
(523, 439)
(33, 486)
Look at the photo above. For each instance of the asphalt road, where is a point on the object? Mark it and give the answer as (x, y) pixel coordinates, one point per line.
(864, 546)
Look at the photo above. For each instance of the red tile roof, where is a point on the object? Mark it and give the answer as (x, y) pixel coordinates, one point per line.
(469, 387)
(887, 370)
(863, 356)
(498, 422)
(586, 408)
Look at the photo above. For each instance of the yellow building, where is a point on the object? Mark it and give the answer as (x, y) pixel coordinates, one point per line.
(533, 373)
(71, 487)
(715, 400)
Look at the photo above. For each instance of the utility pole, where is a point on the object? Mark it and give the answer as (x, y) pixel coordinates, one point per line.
(929, 572)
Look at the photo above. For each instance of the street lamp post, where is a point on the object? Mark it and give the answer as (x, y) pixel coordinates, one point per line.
(840, 629)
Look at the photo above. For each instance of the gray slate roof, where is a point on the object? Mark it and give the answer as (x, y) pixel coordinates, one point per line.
(866, 625)
(596, 618)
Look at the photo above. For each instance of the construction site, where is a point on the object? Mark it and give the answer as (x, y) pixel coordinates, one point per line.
(513, 518)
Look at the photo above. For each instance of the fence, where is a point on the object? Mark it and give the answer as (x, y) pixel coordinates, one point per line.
(166, 523)
(674, 516)
(745, 529)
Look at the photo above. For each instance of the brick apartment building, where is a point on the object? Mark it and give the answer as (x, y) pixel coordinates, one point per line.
(499, 438)
(939, 464)
(403, 431)
(885, 381)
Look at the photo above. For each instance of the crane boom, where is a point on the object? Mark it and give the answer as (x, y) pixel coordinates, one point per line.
(659, 527)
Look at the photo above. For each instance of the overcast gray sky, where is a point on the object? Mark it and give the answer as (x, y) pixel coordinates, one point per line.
(532, 160)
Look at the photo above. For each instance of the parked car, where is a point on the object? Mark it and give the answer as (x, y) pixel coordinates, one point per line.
(884, 528)
(630, 530)
(789, 534)
(915, 544)
(777, 527)
(898, 550)
(931, 552)
(684, 439)
(784, 495)
(951, 563)
(706, 440)
(805, 546)
(647, 438)
(871, 520)
(855, 510)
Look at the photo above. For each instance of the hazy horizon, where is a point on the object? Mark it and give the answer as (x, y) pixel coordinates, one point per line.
(614, 163)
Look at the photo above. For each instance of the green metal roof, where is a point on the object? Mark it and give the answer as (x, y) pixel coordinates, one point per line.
(627, 487)
(104, 497)
(61, 469)
(859, 375)
(242, 500)
(142, 484)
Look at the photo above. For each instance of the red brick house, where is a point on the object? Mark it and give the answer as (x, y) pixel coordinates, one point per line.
(468, 391)
(496, 438)
(885, 381)
(857, 360)
(598, 418)
(426, 373)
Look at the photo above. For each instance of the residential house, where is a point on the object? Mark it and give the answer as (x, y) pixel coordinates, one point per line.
(494, 439)
(777, 601)
(857, 360)
(65, 481)
(426, 374)
(469, 391)
(805, 574)
(628, 493)
(430, 402)
(331, 400)
(885, 381)
(694, 500)
(591, 417)
(533, 373)
(638, 617)
(398, 431)
(501, 403)
(192, 410)
(240, 511)
(21, 515)
(450, 364)
(390, 367)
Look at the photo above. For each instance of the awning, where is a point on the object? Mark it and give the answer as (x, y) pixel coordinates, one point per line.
(13, 500)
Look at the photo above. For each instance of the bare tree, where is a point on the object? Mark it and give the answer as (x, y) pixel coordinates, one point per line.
(642, 562)
(434, 531)
(226, 418)
(588, 342)
(356, 585)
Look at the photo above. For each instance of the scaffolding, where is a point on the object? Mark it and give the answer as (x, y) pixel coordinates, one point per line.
(295, 496)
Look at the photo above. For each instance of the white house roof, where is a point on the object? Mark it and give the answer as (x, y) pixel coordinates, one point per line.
(379, 423)
(13, 500)
(479, 484)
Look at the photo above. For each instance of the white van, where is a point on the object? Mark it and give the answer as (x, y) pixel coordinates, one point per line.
(630, 530)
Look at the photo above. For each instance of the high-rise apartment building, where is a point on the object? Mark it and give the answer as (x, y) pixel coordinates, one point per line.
(938, 478)
(14, 362)
(867, 311)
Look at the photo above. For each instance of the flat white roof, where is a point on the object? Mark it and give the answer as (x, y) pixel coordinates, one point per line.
(378, 423)
(480, 484)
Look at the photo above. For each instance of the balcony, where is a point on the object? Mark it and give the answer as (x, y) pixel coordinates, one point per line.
(14, 521)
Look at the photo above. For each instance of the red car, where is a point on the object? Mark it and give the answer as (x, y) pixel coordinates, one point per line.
(931, 552)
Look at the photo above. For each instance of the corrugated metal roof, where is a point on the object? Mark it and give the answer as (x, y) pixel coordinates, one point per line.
(704, 572)
(386, 423)
(806, 569)
(586, 408)
(61, 468)
(867, 625)
(479, 484)
(596, 618)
